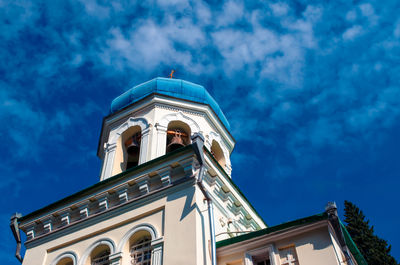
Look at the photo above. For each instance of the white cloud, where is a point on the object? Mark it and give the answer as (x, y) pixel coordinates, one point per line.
(352, 33)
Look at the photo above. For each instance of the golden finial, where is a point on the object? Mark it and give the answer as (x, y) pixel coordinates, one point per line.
(171, 75)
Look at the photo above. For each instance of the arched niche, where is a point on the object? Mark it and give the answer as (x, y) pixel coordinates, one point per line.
(216, 140)
(115, 158)
(124, 159)
(99, 255)
(67, 258)
(96, 249)
(218, 154)
(178, 135)
(162, 127)
(141, 241)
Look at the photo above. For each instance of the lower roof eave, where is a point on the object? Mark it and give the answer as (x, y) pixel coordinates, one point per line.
(270, 234)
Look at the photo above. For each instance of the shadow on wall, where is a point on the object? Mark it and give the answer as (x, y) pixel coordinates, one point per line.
(189, 204)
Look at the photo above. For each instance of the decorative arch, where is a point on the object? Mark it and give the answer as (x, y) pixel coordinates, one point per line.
(141, 122)
(104, 241)
(179, 116)
(142, 227)
(69, 254)
(213, 136)
(112, 155)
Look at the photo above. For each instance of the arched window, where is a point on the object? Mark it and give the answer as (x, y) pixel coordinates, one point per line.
(140, 248)
(178, 135)
(218, 154)
(100, 255)
(66, 261)
(131, 140)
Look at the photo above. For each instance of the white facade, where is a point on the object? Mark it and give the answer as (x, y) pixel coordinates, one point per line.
(157, 200)
(153, 115)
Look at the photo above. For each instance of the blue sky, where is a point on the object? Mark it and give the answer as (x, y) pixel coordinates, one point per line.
(311, 91)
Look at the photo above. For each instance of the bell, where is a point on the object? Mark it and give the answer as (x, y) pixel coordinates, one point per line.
(176, 143)
(132, 147)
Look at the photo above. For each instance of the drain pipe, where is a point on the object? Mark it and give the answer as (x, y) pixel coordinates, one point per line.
(15, 230)
(333, 218)
(198, 143)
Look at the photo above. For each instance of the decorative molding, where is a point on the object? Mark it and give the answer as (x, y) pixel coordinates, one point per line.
(47, 225)
(123, 193)
(146, 227)
(260, 251)
(65, 217)
(179, 116)
(104, 241)
(30, 234)
(102, 200)
(115, 134)
(70, 254)
(213, 136)
(84, 209)
(143, 184)
(166, 107)
(165, 177)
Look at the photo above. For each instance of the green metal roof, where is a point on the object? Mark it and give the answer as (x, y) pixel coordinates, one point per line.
(233, 184)
(271, 229)
(353, 247)
(100, 185)
(303, 221)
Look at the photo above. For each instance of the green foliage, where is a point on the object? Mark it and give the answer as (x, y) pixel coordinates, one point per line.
(374, 249)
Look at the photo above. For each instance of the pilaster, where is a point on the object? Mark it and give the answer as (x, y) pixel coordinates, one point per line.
(108, 160)
(157, 252)
(144, 146)
(161, 140)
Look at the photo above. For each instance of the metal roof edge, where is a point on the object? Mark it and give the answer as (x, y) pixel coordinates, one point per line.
(352, 246)
(234, 185)
(101, 184)
(271, 229)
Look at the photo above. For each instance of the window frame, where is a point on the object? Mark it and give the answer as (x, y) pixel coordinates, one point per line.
(270, 249)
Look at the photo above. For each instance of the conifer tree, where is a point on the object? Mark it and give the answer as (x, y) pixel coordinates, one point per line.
(374, 249)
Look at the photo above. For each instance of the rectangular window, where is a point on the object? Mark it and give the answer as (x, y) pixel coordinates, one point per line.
(288, 255)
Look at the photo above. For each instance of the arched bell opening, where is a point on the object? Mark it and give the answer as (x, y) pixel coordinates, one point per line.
(66, 261)
(178, 135)
(100, 255)
(218, 154)
(140, 248)
(131, 141)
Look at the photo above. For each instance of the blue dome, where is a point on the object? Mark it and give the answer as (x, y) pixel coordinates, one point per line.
(170, 87)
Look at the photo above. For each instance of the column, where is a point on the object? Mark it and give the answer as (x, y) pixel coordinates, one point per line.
(144, 146)
(108, 160)
(157, 252)
(161, 140)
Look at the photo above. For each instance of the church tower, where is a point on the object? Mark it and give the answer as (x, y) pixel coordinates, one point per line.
(165, 193)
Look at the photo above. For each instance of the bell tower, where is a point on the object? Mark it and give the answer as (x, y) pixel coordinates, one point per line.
(158, 117)
(165, 194)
